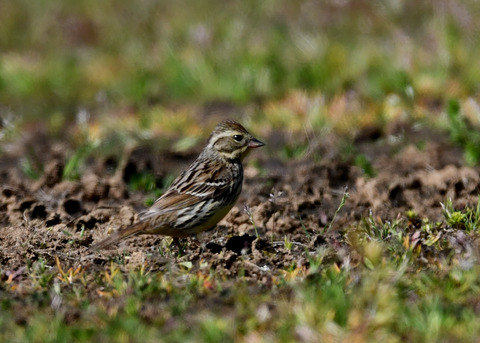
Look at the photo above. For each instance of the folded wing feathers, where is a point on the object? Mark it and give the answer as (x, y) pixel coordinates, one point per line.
(186, 192)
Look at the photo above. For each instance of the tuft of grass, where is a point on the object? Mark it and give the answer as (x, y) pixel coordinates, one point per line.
(467, 220)
(150, 185)
(345, 196)
(249, 213)
(74, 165)
(287, 243)
(143, 181)
(385, 292)
(362, 162)
(29, 169)
(462, 132)
(296, 151)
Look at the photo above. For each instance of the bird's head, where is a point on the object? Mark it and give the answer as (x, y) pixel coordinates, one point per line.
(231, 141)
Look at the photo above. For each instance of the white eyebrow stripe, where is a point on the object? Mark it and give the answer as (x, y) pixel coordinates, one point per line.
(223, 135)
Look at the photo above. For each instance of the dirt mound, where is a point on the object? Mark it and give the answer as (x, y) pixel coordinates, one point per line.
(285, 208)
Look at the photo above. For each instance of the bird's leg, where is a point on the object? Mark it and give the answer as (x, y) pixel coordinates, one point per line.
(202, 244)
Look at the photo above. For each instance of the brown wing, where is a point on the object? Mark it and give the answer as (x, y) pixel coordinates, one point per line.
(203, 180)
(190, 188)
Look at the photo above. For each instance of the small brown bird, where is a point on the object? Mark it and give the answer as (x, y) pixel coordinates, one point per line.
(203, 194)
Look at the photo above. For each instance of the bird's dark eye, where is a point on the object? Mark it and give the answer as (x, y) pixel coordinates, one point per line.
(238, 138)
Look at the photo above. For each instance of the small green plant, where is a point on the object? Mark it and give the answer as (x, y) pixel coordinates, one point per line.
(150, 184)
(249, 213)
(411, 214)
(28, 169)
(143, 181)
(455, 219)
(40, 273)
(287, 243)
(383, 230)
(468, 220)
(462, 133)
(340, 206)
(304, 227)
(362, 162)
(182, 246)
(74, 165)
(292, 151)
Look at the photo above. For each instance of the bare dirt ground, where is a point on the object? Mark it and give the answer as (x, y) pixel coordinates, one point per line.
(415, 169)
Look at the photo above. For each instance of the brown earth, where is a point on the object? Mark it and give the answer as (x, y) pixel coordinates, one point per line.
(296, 200)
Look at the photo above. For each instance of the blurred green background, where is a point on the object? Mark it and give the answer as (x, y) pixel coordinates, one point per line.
(57, 57)
(109, 68)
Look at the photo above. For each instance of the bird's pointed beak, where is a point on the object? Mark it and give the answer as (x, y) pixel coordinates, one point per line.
(255, 143)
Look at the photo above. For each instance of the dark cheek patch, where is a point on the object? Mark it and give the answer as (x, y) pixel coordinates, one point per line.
(223, 145)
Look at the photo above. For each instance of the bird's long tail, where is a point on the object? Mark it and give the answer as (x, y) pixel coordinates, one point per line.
(120, 234)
